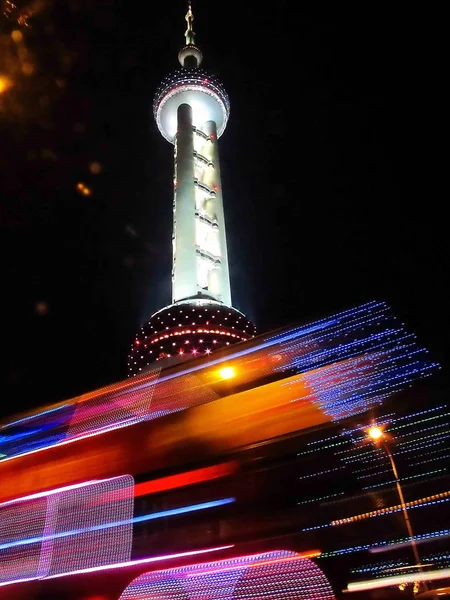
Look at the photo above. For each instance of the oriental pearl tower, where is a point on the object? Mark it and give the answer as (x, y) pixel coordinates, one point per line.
(191, 109)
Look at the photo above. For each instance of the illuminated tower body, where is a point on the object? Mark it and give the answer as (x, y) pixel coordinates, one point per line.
(191, 109)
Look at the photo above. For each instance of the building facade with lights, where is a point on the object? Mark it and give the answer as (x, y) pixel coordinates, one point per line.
(191, 109)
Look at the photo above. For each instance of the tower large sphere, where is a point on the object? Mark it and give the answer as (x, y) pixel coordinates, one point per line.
(196, 87)
(187, 329)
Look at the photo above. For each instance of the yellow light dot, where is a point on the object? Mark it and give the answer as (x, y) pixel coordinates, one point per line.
(375, 433)
(227, 373)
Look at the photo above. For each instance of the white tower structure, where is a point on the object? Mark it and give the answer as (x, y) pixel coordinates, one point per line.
(191, 109)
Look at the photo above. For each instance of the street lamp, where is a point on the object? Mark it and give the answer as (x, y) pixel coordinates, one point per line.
(379, 437)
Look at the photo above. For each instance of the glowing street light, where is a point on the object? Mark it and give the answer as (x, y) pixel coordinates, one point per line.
(377, 435)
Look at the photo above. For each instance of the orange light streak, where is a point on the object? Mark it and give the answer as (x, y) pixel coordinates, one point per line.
(382, 511)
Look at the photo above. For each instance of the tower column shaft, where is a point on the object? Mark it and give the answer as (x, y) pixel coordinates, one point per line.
(224, 275)
(184, 279)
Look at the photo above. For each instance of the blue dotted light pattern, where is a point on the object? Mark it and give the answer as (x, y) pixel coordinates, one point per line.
(350, 362)
(354, 360)
(419, 439)
(278, 575)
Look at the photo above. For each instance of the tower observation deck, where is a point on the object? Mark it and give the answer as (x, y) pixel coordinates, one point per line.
(191, 109)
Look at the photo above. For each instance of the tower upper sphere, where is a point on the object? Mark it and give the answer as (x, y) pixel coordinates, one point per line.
(190, 85)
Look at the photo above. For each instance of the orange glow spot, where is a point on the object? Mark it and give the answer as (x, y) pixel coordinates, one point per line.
(42, 308)
(27, 68)
(83, 189)
(227, 373)
(95, 167)
(17, 36)
(5, 83)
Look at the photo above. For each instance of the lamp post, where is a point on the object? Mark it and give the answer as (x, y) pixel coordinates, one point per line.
(378, 436)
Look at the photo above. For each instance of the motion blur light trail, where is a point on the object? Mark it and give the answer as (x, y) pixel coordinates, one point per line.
(277, 575)
(126, 564)
(350, 362)
(396, 580)
(187, 478)
(78, 528)
(70, 528)
(115, 524)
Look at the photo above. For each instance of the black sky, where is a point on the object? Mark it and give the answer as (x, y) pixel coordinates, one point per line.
(323, 174)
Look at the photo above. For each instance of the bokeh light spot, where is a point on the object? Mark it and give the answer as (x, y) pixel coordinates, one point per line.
(5, 83)
(95, 167)
(17, 36)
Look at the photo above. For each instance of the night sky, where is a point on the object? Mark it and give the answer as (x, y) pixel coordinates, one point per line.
(327, 202)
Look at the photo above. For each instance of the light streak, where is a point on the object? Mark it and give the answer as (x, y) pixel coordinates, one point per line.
(35, 416)
(143, 561)
(346, 377)
(422, 538)
(141, 519)
(54, 491)
(258, 563)
(34, 537)
(126, 564)
(182, 479)
(395, 580)
(428, 500)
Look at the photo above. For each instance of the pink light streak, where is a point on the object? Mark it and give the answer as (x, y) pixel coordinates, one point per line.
(54, 491)
(127, 564)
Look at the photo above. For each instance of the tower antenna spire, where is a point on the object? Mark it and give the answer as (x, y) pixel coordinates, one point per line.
(190, 56)
(189, 33)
